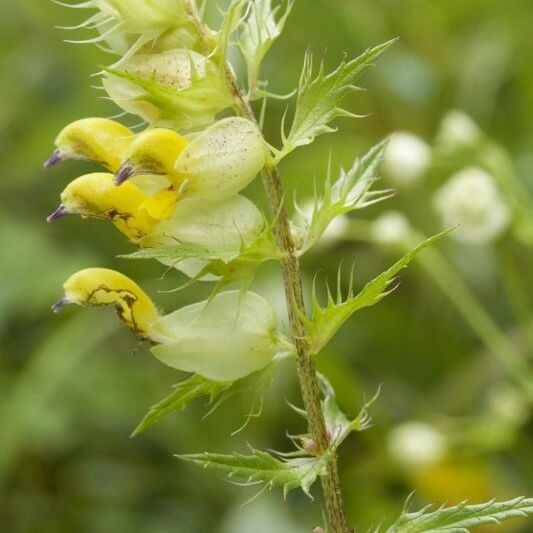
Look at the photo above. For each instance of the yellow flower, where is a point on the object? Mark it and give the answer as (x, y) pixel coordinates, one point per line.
(160, 220)
(153, 151)
(101, 286)
(225, 339)
(95, 195)
(219, 162)
(92, 139)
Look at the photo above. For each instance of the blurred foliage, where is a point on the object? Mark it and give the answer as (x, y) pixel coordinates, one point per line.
(73, 387)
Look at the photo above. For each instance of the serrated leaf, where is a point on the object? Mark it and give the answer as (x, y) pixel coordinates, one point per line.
(216, 391)
(264, 467)
(326, 321)
(338, 425)
(192, 106)
(257, 35)
(351, 191)
(184, 393)
(232, 18)
(461, 518)
(319, 97)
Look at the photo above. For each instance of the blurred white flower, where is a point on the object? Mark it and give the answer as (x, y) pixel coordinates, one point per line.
(392, 227)
(509, 404)
(458, 130)
(336, 229)
(416, 444)
(407, 157)
(471, 200)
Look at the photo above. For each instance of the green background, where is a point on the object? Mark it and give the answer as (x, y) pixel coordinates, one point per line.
(73, 386)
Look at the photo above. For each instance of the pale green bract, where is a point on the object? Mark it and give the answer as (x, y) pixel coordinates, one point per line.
(258, 33)
(326, 321)
(319, 97)
(461, 518)
(338, 425)
(177, 88)
(263, 467)
(350, 192)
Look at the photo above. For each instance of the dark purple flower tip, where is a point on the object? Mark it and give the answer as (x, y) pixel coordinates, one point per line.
(123, 173)
(56, 308)
(54, 159)
(61, 211)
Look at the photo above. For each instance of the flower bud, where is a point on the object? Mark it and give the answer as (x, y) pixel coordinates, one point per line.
(457, 130)
(406, 158)
(471, 200)
(225, 339)
(223, 159)
(100, 140)
(101, 286)
(138, 16)
(177, 88)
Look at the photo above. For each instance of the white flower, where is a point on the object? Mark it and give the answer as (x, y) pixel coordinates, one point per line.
(471, 200)
(416, 444)
(406, 159)
(224, 340)
(392, 227)
(458, 130)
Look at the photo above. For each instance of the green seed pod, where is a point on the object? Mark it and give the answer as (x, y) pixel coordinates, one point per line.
(223, 159)
(224, 340)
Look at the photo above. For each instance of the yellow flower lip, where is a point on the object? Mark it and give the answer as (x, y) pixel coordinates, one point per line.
(53, 160)
(60, 212)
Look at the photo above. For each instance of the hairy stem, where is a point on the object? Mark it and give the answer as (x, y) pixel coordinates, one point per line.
(306, 370)
(290, 268)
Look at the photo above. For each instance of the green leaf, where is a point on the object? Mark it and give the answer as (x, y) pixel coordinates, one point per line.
(326, 321)
(183, 394)
(217, 391)
(232, 18)
(189, 107)
(338, 425)
(257, 35)
(460, 518)
(351, 191)
(319, 97)
(264, 467)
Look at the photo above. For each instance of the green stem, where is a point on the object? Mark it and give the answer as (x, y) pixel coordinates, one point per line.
(481, 322)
